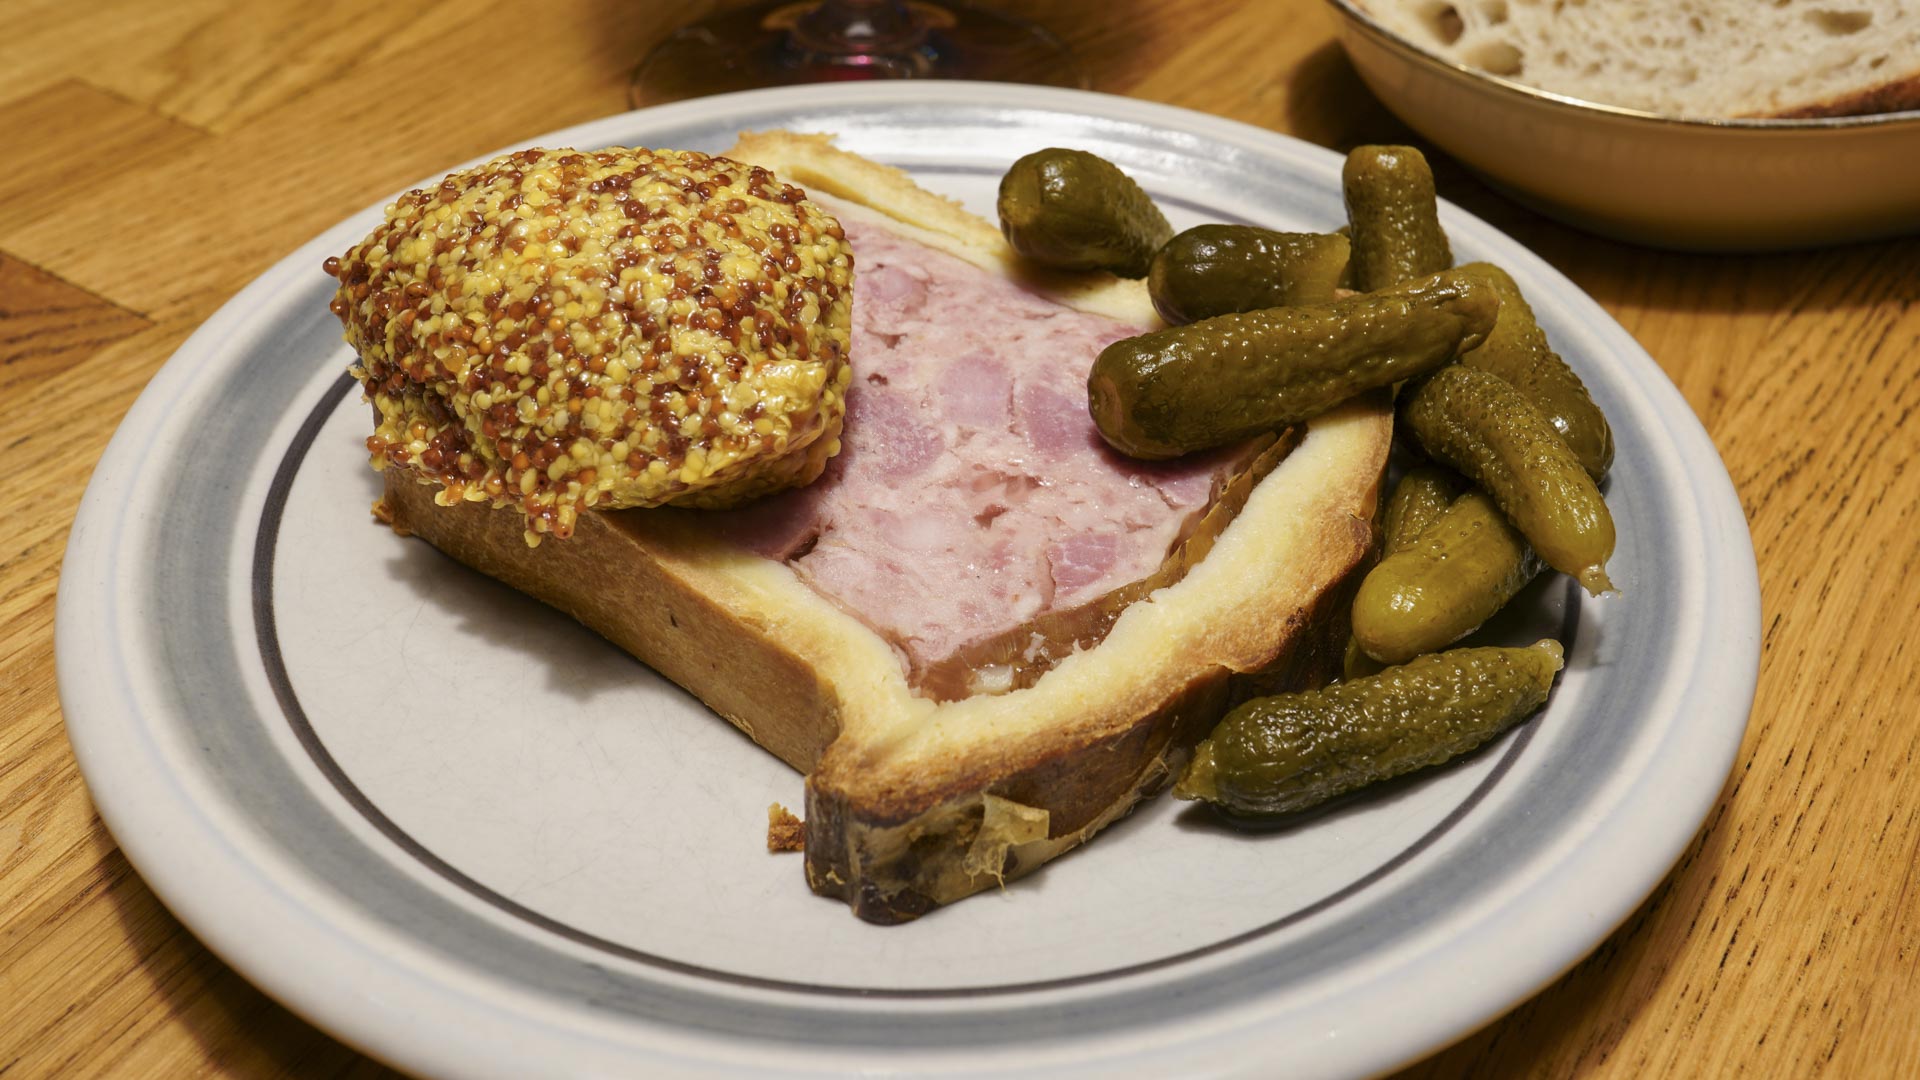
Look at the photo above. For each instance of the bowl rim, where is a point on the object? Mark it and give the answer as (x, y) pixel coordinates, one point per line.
(1367, 23)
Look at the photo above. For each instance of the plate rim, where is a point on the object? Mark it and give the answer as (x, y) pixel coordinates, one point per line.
(87, 549)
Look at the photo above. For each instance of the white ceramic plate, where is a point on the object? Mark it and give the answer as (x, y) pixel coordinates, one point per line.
(469, 837)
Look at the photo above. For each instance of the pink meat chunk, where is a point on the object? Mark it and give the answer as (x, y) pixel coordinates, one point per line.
(972, 492)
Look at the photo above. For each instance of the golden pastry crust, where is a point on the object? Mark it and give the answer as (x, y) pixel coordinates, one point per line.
(784, 831)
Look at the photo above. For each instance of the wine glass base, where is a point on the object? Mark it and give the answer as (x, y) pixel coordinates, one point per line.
(756, 46)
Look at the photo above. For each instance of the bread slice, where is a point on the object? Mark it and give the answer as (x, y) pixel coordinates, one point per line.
(913, 802)
(1695, 58)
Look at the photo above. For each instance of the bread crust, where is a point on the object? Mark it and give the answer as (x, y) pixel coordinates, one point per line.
(913, 803)
(1898, 95)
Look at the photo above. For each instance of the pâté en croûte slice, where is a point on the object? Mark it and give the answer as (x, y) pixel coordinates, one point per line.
(980, 633)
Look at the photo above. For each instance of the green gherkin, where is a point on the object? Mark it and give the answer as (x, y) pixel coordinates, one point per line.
(1280, 754)
(1461, 570)
(1072, 210)
(1478, 424)
(1517, 351)
(1394, 217)
(1418, 500)
(1221, 380)
(1214, 270)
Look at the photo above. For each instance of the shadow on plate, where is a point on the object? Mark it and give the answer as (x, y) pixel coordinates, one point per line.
(574, 661)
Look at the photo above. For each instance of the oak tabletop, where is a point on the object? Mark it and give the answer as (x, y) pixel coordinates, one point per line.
(160, 156)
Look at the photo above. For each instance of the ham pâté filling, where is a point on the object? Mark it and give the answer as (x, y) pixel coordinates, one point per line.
(972, 493)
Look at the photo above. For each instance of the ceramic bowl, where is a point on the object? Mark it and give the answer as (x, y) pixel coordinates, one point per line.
(1666, 181)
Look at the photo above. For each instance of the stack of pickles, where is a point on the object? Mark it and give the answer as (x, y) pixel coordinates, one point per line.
(1268, 329)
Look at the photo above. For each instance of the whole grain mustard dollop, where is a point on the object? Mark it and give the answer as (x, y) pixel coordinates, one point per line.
(556, 330)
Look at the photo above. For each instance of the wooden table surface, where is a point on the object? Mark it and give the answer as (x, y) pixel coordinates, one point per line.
(160, 156)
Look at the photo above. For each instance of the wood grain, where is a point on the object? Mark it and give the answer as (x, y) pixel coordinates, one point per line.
(162, 155)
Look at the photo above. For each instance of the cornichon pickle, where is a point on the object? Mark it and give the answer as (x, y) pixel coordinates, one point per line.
(1395, 219)
(1356, 664)
(1486, 429)
(1517, 351)
(1418, 500)
(1220, 380)
(1225, 269)
(1077, 211)
(1462, 569)
(1347, 282)
(1284, 753)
